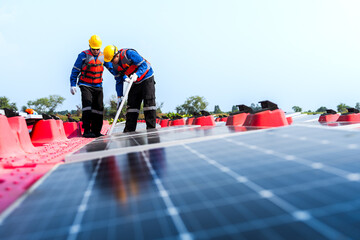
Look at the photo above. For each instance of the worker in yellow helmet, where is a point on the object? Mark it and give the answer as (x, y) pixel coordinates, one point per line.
(128, 64)
(87, 74)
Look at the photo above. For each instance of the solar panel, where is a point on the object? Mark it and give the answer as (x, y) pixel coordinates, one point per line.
(304, 118)
(295, 182)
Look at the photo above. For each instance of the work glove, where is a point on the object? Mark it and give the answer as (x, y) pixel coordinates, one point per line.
(73, 90)
(120, 99)
(134, 77)
(127, 80)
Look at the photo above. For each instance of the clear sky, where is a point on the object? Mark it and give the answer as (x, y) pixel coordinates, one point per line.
(304, 53)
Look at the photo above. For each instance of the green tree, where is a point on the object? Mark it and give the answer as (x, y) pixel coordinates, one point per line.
(5, 103)
(357, 106)
(55, 101)
(297, 109)
(159, 106)
(342, 107)
(40, 105)
(255, 107)
(191, 105)
(217, 109)
(321, 109)
(64, 112)
(234, 108)
(46, 105)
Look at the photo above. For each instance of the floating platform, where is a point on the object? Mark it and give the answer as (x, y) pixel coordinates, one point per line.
(198, 182)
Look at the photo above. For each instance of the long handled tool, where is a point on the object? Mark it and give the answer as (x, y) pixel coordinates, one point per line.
(120, 108)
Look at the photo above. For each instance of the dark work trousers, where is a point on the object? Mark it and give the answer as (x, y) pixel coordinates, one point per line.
(92, 108)
(144, 91)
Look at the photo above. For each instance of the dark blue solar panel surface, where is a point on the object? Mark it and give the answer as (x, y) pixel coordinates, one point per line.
(293, 182)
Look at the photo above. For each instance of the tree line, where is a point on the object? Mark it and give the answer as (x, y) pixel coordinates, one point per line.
(42, 105)
(48, 105)
(193, 104)
(342, 107)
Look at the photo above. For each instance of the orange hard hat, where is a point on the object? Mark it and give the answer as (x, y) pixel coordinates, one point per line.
(29, 111)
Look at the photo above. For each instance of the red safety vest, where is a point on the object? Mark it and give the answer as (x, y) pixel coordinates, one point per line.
(92, 70)
(127, 67)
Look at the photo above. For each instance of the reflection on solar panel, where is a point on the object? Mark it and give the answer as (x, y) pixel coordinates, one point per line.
(294, 182)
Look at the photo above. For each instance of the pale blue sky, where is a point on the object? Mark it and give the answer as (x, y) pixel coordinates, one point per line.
(231, 52)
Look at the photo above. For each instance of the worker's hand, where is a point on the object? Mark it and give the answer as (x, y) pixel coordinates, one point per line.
(73, 90)
(134, 77)
(127, 80)
(120, 99)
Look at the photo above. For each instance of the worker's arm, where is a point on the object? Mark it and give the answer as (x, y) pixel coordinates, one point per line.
(119, 86)
(139, 61)
(109, 67)
(114, 72)
(119, 78)
(77, 69)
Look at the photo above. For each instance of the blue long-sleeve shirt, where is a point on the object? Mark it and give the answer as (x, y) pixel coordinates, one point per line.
(77, 70)
(136, 58)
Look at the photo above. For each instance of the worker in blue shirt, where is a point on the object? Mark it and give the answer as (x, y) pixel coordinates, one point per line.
(129, 65)
(87, 73)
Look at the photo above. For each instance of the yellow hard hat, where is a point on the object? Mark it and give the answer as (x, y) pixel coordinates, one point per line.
(95, 42)
(109, 52)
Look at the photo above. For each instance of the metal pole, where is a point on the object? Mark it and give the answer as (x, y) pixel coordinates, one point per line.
(120, 108)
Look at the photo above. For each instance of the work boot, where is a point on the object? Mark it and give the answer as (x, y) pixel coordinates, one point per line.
(88, 135)
(99, 135)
